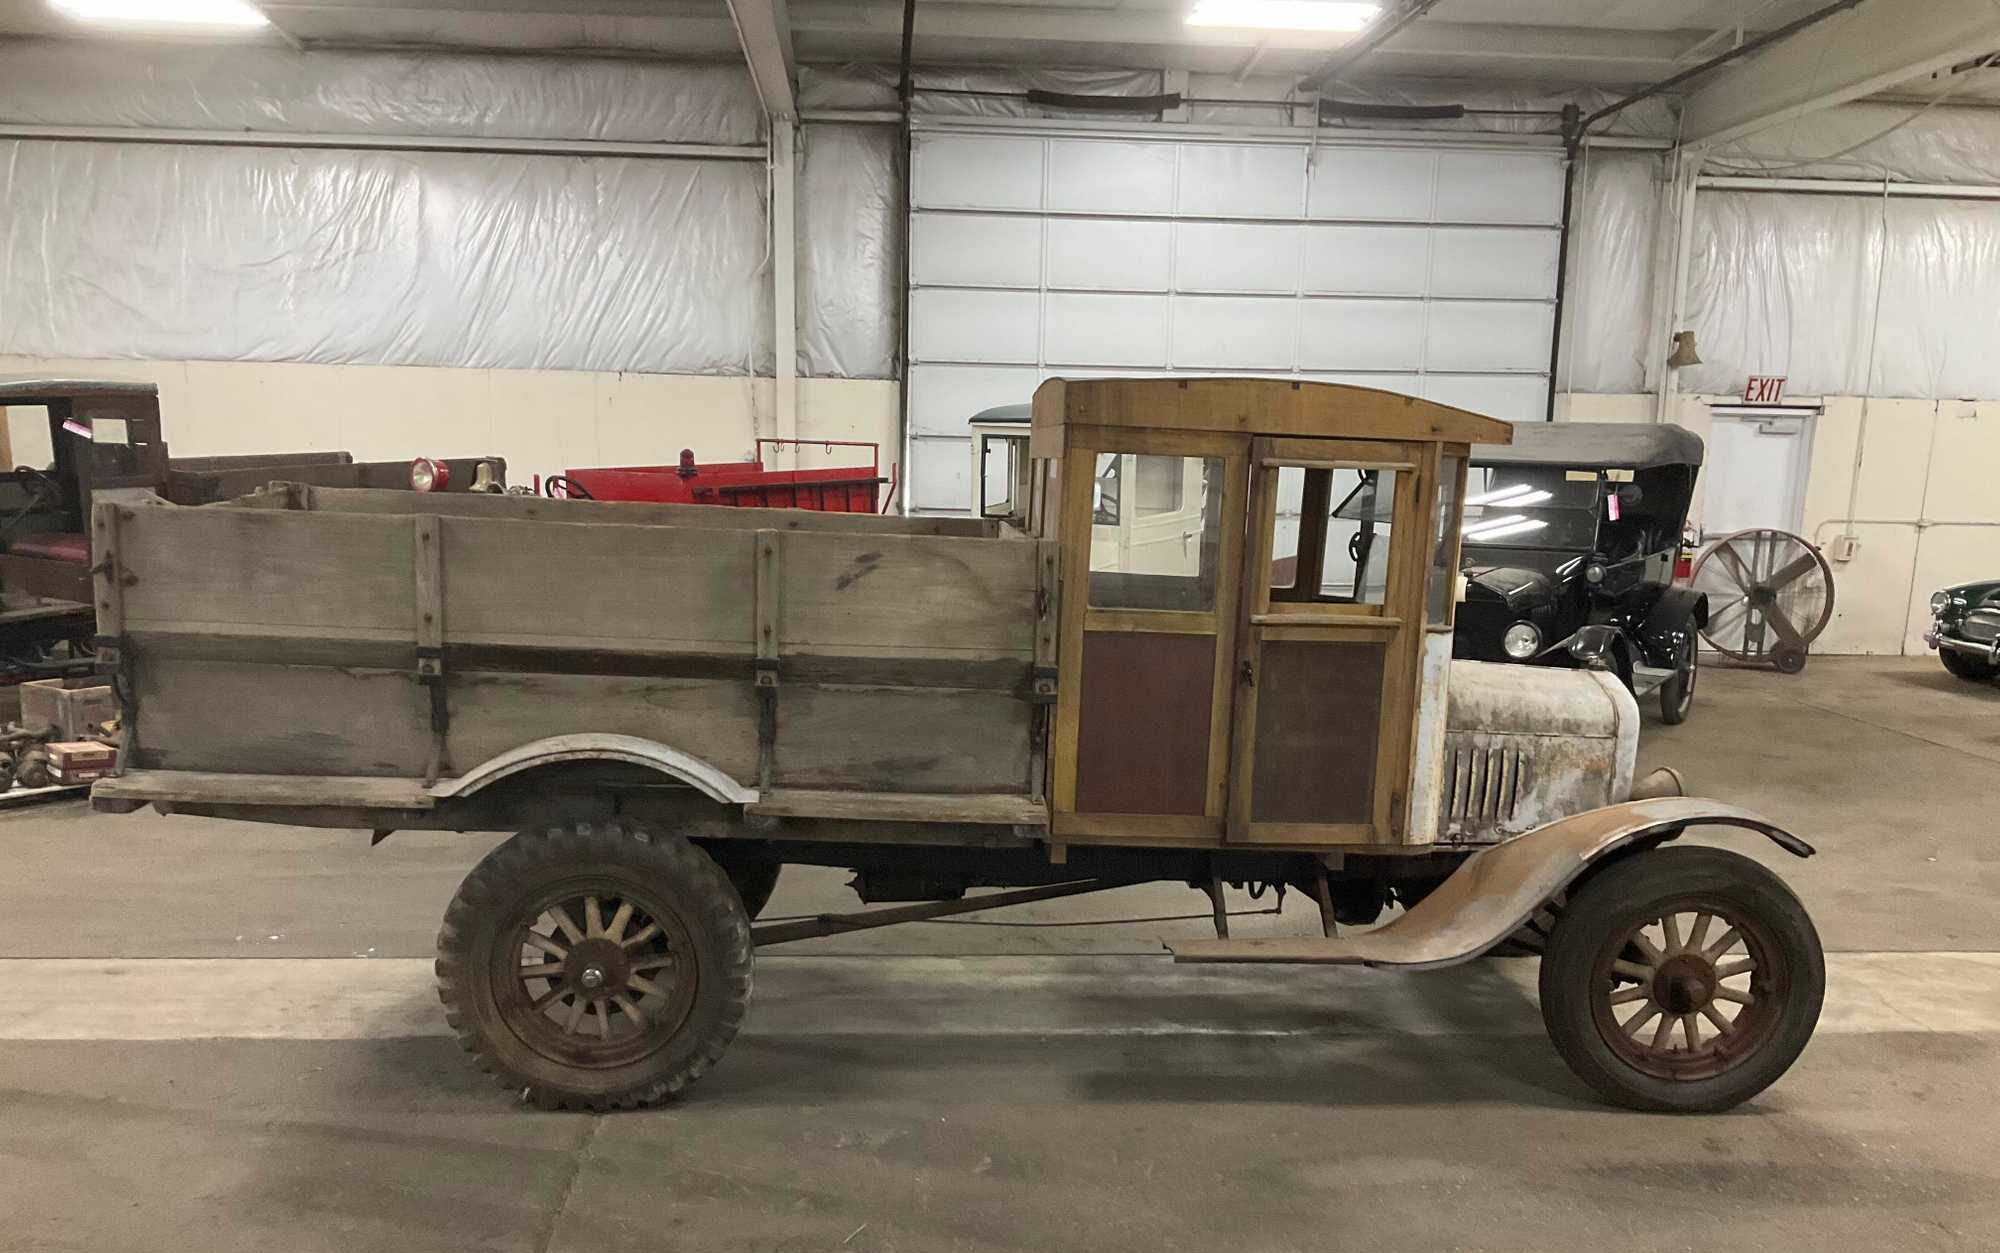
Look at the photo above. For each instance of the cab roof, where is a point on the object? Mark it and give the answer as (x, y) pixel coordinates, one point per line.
(30, 391)
(1261, 406)
(1599, 445)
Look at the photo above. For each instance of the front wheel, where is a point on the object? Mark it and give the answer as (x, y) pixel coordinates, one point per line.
(1677, 693)
(1969, 668)
(1682, 980)
(595, 967)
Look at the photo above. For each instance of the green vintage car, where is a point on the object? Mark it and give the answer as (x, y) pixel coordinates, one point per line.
(1965, 629)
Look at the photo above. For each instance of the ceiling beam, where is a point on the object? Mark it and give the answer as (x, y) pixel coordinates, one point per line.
(1875, 46)
(765, 30)
(1383, 29)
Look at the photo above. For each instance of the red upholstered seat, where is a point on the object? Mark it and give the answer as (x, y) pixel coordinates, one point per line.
(58, 547)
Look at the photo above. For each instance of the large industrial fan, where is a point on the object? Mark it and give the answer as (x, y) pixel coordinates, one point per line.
(1770, 594)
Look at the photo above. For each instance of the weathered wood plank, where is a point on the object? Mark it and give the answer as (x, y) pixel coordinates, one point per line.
(210, 569)
(598, 586)
(204, 787)
(714, 719)
(997, 810)
(909, 594)
(266, 719)
(901, 740)
(699, 517)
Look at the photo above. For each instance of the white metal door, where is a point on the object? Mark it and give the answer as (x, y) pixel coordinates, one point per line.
(1754, 475)
(1418, 266)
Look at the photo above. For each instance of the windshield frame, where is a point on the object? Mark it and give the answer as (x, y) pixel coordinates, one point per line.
(1555, 478)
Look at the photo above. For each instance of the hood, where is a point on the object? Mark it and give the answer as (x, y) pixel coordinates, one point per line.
(1974, 593)
(1520, 578)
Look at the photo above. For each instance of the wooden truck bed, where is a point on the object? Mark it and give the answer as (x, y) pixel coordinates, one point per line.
(276, 647)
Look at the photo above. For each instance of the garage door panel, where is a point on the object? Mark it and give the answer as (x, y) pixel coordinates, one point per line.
(1361, 335)
(1499, 187)
(1106, 330)
(1494, 262)
(959, 249)
(1225, 332)
(976, 172)
(939, 475)
(975, 326)
(1228, 257)
(1367, 260)
(1511, 398)
(1111, 176)
(944, 397)
(1373, 184)
(1420, 267)
(1488, 335)
(1115, 253)
(1242, 180)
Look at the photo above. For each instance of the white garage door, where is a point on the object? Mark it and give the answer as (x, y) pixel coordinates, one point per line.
(1427, 269)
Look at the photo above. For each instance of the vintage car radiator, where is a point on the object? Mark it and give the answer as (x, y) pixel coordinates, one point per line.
(1526, 745)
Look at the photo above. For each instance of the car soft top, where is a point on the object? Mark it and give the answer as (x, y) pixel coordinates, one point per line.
(1604, 445)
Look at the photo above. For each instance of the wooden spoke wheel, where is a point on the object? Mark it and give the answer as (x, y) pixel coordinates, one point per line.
(1682, 979)
(1770, 594)
(595, 966)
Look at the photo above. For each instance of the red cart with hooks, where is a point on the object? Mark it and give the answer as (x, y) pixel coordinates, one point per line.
(753, 483)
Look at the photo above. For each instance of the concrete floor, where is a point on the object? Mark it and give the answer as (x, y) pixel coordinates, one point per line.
(915, 1089)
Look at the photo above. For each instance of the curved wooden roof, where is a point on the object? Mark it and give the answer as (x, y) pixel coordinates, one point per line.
(1262, 406)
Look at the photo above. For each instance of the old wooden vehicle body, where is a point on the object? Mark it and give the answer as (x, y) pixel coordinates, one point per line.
(105, 436)
(671, 701)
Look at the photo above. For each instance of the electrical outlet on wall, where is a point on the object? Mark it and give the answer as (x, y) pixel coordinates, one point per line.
(1843, 548)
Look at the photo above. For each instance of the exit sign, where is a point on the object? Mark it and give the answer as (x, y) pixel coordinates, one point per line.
(1764, 389)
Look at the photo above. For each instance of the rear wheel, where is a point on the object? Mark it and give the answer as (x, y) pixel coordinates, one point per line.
(595, 966)
(1684, 980)
(1677, 693)
(1970, 668)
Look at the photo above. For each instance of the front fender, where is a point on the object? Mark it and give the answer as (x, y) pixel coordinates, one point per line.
(1496, 890)
(1677, 613)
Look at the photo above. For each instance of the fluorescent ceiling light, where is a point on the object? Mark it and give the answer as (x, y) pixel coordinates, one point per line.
(205, 14)
(1348, 15)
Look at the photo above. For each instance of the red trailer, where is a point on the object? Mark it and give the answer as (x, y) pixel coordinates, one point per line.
(830, 489)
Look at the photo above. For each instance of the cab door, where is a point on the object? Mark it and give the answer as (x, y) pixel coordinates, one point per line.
(1331, 620)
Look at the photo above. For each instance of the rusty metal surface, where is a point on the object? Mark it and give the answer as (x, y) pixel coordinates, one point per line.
(1529, 745)
(1495, 891)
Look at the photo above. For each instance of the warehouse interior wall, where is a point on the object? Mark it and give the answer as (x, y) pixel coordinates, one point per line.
(541, 421)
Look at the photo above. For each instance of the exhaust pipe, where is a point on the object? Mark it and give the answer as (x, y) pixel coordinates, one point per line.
(1662, 782)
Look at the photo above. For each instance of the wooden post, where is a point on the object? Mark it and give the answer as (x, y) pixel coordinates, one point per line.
(770, 576)
(429, 570)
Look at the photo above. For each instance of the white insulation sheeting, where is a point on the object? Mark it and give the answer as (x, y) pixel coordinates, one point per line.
(234, 88)
(1608, 304)
(1786, 284)
(208, 252)
(182, 252)
(850, 251)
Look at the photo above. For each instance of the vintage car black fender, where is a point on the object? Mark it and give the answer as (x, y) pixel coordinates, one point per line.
(1678, 613)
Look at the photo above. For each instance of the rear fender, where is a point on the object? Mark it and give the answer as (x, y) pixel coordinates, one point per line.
(686, 767)
(1496, 890)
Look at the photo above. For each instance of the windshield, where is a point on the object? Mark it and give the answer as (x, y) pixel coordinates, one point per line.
(1530, 507)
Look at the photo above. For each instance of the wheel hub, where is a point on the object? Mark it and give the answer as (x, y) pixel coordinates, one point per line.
(1684, 984)
(597, 967)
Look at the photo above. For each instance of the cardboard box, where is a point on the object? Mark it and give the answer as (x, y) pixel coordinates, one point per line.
(74, 707)
(80, 761)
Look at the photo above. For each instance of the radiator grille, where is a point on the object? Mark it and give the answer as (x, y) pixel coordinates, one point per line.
(1483, 784)
(1982, 625)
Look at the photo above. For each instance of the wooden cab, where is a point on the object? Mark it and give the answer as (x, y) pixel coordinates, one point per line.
(1254, 628)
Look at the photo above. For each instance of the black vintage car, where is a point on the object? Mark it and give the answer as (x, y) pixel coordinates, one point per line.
(1965, 629)
(1571, 535)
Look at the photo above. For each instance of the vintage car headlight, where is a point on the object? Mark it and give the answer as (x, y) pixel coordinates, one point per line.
(1938, 602)
(1521, 640)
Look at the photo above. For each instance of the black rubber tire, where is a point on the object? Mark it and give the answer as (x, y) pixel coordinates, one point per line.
(1628, 892)
(1970, 669)
(1677, 693)
(668, 868)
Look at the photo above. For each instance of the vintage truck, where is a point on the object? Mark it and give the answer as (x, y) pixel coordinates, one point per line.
(1172, 663)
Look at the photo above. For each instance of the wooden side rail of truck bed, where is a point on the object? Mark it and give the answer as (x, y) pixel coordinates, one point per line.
(398, 645)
